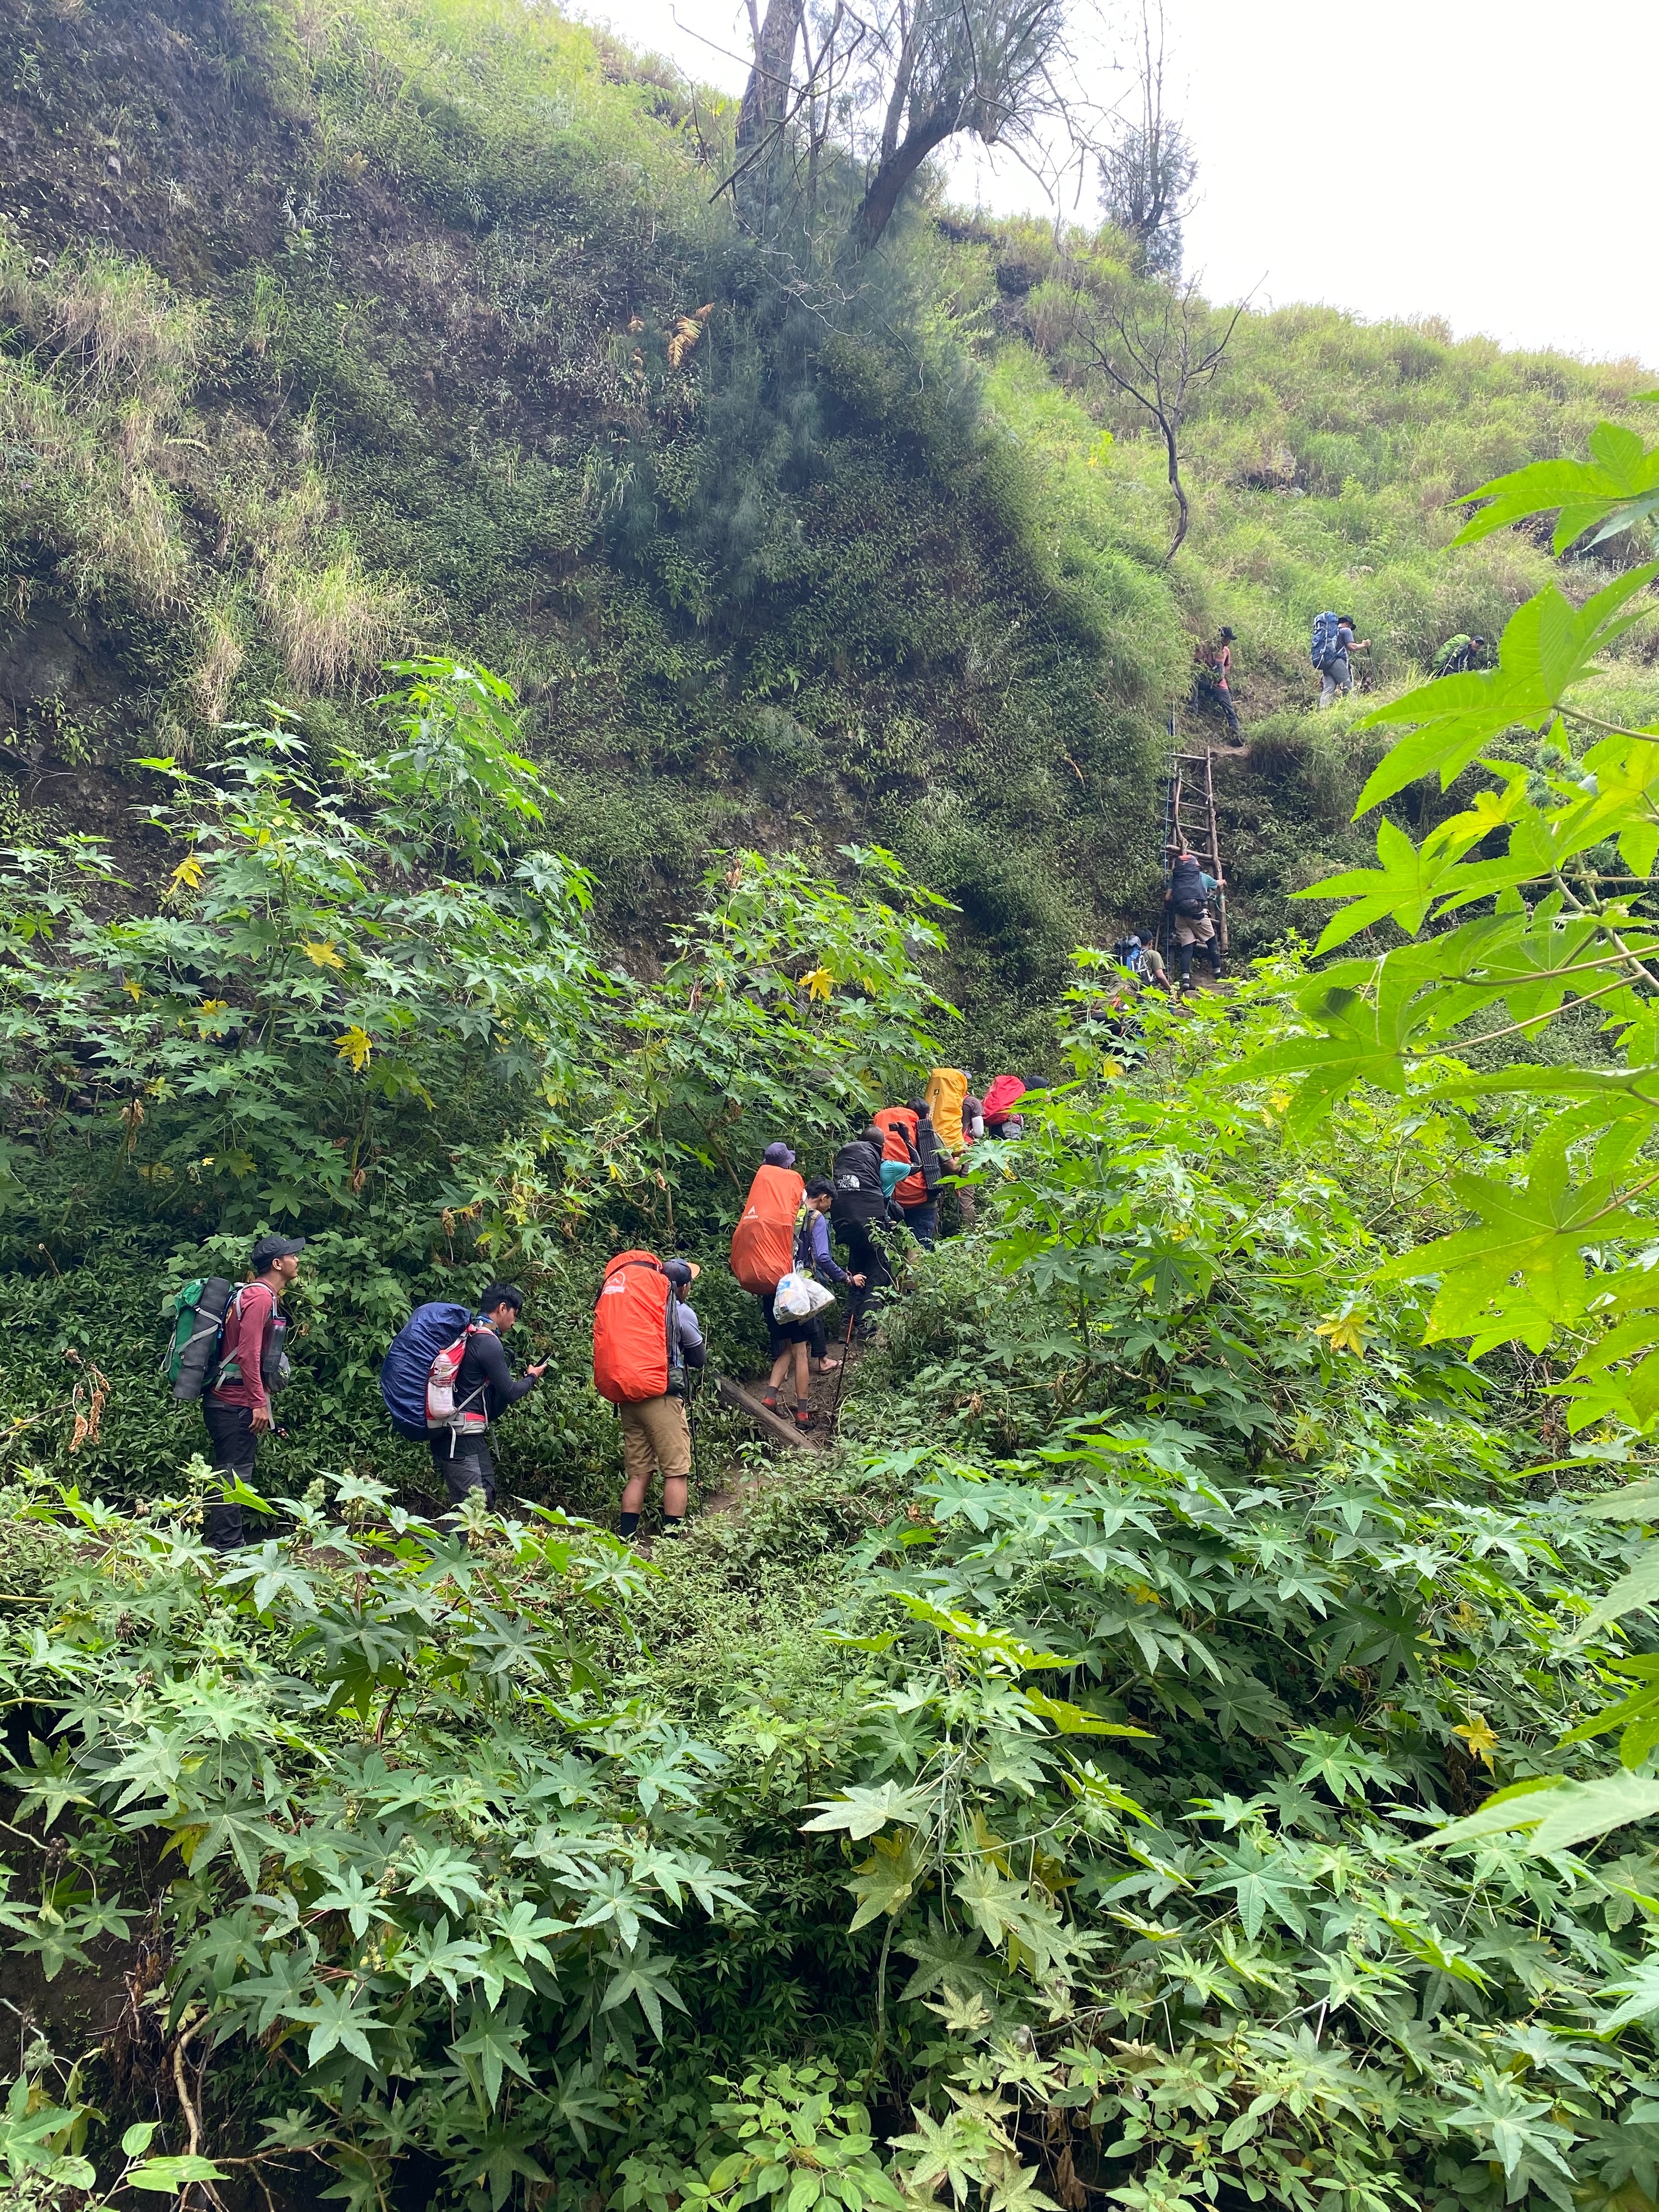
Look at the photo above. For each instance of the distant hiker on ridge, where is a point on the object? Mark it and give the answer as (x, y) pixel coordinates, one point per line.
(1460, 656)
(1214, 679)
(1332, 641)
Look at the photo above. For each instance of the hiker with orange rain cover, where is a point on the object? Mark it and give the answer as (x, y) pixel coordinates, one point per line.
(645, 1340)
(910, 1145)
(762, 1244)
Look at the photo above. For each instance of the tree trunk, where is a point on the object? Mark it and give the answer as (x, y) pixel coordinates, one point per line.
(881, 202)
(766, 99)
(1183, 511)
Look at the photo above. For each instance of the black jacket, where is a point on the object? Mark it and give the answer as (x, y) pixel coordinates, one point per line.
(484, 1364)
(856, 1175)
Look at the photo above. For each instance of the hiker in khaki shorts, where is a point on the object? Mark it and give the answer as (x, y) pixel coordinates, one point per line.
(1188, 901)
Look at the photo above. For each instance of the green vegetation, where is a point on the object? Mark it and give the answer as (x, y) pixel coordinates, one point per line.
(1071, 1790)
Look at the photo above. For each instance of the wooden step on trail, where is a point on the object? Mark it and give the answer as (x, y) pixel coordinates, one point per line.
(771, 1424)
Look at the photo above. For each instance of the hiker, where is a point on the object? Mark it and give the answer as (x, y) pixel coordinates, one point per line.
(646, 1341)
(813, 1257)
(947, 1094)
(1145, 963)
(1214, 679)
(483, 1386)
(859, 1213)
(1460, 656)
(1188, 898)
(761, 1248)
(912, 1149)
(1332, 641)
(1002, 1094)
(252, 1365)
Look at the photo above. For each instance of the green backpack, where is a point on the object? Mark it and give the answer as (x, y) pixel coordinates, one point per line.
(198, 1323)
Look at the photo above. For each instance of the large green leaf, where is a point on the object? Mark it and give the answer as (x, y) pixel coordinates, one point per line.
(1548, 645)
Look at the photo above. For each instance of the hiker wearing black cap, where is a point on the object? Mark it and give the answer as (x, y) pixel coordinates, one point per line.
(1188, 898)
(1460, 656)
(1334, 674)
(656, 1435)
(252, 1365)
(484, 1384)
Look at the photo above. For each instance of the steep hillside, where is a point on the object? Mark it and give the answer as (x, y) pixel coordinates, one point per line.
(336, 333)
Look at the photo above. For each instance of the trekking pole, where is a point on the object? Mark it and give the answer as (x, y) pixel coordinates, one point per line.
(846, 1354)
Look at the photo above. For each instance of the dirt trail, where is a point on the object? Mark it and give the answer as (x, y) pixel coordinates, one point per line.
(741, 1485)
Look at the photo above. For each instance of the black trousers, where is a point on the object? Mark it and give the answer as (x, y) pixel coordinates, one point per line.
(230, 1432)
(865, 1257)
(465, 1463)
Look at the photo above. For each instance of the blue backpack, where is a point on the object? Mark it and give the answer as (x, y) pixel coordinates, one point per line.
(407, 1368)
(1322, 650)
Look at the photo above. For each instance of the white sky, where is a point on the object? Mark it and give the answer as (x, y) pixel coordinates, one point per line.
(1488, 160)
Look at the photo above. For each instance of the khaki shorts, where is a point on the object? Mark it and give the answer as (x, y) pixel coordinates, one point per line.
(1199, 930)
(654, 1435)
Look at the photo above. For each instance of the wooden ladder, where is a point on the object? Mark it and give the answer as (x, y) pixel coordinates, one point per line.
(1189, 783)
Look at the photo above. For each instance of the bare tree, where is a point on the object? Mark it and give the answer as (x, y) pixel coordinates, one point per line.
(1146, 173)
(1157, 342)
(891, 82)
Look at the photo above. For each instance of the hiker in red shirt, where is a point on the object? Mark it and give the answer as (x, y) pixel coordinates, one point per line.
(252, 1365)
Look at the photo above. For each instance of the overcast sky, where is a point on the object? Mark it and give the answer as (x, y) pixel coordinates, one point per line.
(1488, 160)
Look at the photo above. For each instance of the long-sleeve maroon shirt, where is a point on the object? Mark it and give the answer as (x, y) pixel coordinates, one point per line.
(242, 1346)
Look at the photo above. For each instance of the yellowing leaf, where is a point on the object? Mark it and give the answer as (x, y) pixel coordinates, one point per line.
(819, 984)
(189, 874)
(1345, 1331)
(1480, 1738)
(355, 1045)
(325, 955)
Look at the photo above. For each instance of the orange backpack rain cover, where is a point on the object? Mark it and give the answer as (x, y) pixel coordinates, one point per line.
(896, 1123)
(630, 1330)
(763, 1242)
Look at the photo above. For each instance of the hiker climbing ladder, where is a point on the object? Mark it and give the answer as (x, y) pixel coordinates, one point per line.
(1189, 821)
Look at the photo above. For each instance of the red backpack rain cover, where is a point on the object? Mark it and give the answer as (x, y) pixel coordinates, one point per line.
(763, 1242)
(630, 1330)
(896, 1123)
(1001, 1097)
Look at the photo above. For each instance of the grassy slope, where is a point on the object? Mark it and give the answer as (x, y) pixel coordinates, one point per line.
(386, 389)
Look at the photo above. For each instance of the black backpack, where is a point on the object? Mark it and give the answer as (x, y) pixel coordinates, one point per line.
(1186, 889)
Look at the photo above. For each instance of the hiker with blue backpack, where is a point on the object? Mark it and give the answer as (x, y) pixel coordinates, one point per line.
(445, 1379)
(1332, 641)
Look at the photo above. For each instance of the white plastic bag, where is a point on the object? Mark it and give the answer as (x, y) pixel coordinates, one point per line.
(798, 1297)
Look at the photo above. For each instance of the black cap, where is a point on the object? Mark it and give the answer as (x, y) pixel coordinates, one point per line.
(275, 1247)
(681, 1273)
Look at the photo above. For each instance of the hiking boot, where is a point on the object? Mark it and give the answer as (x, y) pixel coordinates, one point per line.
(805, 1417)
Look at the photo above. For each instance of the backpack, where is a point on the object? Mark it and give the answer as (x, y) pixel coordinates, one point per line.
(946, 1089)
(1000, 1099)
(1323, 649)
(635, 1344)
(1127, 953)
(418, 1396)
(763, 1241)
(274, 1369)
(199, 1325)
(856, 1173)
(1187, 892)
(898, 1126)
